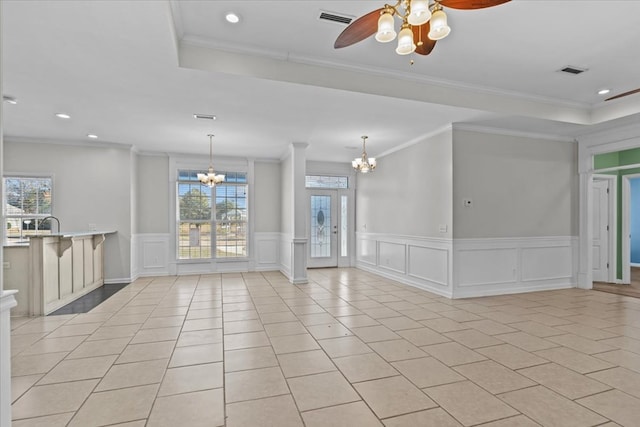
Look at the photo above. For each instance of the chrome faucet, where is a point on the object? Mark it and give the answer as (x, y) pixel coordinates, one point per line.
(52, 217)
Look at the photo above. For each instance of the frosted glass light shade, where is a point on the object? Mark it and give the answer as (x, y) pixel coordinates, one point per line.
(439, 27)
(420, 12)
(405, 42)
(386, 31)
(364, 167)
(210, 179)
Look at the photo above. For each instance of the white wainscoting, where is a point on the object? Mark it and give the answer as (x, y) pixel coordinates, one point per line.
(152, 257)
(267, 251)
(417, 261)
(463, 268)
(513, 265)
(150, 254)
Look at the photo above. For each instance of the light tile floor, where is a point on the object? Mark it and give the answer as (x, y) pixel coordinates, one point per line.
(348, 349)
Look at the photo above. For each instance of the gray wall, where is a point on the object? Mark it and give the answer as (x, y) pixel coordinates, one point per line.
(267, 197)
(410, 191)
(153, 192)
(520, 187)
(91, 185)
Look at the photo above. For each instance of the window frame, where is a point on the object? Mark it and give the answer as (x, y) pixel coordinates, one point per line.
(213, 221)
(23, 176)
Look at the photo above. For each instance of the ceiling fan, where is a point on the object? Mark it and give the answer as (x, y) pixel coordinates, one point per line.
(631, 92)
(422, 24)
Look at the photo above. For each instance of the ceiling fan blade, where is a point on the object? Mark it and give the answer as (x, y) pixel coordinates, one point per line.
(358, 30)
(631, 92)
(420, 35)
(471, 4)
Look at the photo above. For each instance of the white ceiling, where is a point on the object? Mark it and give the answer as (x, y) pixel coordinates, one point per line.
(134, 72)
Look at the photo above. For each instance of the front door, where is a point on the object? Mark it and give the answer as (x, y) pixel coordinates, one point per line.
(601, 231)
(323, 228)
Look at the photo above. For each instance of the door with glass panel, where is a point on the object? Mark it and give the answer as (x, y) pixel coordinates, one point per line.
(323, 228)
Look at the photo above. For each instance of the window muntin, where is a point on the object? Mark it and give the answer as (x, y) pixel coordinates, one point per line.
(212, 222)
(324, 181)
(27, 201)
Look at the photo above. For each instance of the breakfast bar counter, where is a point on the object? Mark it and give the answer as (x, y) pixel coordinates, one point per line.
(54, 270)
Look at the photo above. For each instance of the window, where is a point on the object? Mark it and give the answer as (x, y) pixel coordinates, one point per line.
(316, 181)
(212, 222)
(27, 201)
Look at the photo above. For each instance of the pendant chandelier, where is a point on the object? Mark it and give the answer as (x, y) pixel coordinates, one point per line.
(364, 164)
(210, 178)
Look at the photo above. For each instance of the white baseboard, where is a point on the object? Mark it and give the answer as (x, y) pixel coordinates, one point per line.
(119, 280)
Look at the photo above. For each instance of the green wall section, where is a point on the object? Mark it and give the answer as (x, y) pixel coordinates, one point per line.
(617, 159)
(612, 160)
(604, 161)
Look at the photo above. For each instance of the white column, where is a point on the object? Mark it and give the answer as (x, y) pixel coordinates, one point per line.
(7, 300)
(299, 214)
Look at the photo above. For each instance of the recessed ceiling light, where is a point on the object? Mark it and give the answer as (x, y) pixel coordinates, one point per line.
(63, 116)
(604, 91)
(9, 99)
(92, 136)
(232, 17)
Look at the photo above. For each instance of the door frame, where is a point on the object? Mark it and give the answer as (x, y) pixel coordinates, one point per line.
(334, 236)
(626, 227)
(612, 248)
(342, 261)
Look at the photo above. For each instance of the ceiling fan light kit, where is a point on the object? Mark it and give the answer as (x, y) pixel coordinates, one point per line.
(420, 20)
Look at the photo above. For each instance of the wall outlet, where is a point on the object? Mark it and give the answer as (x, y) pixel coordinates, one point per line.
(467, 203)
(92, 227)
(6, 265)
(443, 228)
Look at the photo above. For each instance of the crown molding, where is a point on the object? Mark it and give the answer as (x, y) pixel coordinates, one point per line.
(83, 144)
(629, 133)
(415, 141)
(510, 132)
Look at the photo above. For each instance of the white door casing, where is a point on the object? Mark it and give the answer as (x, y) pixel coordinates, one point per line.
(601, 261)
(324, 228)
(626, 227)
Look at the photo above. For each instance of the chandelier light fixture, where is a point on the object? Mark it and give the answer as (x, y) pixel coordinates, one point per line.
(422, 24)
(364, 164)
(210, 178)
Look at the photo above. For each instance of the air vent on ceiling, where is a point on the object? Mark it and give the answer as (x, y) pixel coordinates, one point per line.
(573, 70)
(204, 116)
(334, 17)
